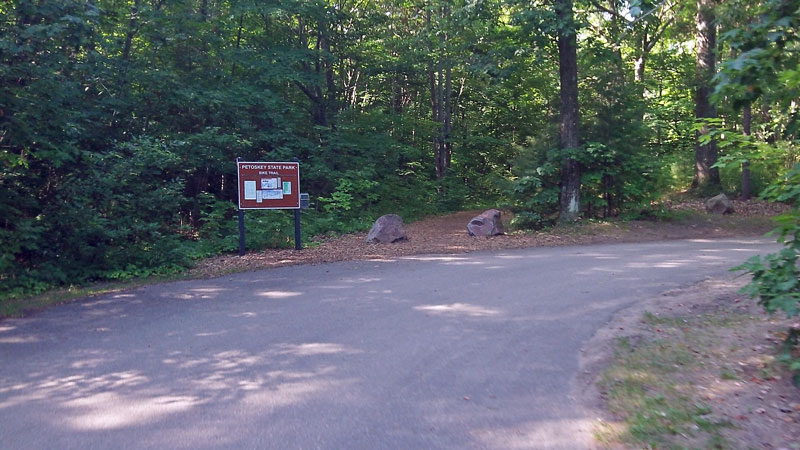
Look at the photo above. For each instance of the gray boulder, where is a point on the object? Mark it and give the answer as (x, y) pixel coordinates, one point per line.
(719, 205)
(488, 223)
(388, 228)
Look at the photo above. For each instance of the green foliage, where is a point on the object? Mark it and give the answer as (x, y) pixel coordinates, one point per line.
(765, 68)
(270, 229)
(119, 128)
(776, 284)
(790, 354)
(613, 182)
(618, 181)
(117, 220)
(533, 187)
(767, 48)
(528, 220)
(354, 194)
(776, 279)
(619, 173)
(768, 160)
(219, 229)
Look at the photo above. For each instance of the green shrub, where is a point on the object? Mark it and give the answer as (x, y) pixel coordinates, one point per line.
(776, 279)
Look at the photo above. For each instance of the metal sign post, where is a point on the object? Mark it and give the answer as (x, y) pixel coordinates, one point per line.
(268, 185)
(297, 244)
(241, 232)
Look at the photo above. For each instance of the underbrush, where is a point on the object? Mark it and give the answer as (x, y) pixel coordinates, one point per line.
(101, 250)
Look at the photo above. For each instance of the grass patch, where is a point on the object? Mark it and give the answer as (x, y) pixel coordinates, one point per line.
(652, 319)
(645, 386)
(697, 321)
(728, 375)
(22, 306)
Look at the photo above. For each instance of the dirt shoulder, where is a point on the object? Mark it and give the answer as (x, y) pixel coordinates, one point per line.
(447, 235)
(692, 368)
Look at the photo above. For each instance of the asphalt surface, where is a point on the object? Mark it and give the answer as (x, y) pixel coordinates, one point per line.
(430, 352)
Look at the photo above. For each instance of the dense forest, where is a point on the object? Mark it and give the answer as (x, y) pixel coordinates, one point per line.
(121, 120)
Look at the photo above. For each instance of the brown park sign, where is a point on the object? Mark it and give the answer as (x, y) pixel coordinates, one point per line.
(268, 185)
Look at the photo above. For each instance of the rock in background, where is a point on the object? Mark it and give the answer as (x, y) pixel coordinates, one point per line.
(488, 223)
(719, 205)
(387, 229)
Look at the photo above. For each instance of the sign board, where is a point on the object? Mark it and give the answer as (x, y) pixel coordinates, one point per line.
(268, 185)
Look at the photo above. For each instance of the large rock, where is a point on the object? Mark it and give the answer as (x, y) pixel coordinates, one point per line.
(719, 205)
(388, 228)
(488, 223)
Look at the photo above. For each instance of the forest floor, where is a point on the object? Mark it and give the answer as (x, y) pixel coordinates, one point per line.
(447, 235)
(694, 368)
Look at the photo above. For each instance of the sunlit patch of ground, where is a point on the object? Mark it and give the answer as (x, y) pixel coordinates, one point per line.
(693, 368)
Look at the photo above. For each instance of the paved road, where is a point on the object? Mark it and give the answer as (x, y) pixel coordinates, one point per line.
(432, 352)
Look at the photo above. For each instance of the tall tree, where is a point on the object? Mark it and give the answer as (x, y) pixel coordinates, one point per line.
(650, 28)
(705, 174)
(440, 85)
(747, 121)
(315, 39)
(569, 138)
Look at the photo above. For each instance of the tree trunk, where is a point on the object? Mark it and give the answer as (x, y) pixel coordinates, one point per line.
(323, 101)
(447, 123)
(126, 51)
(204, 10)
(330, 107)
(747, 120)
(238, 44)
(639, 65)
(705, 176)
(440, 85)
(569, 198)
(439, 148)
(770, 134)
